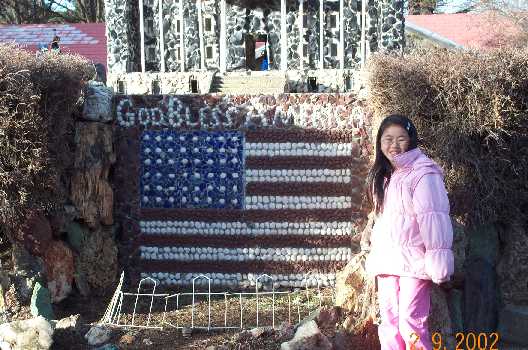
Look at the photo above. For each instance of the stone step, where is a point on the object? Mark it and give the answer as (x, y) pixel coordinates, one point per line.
(249, 84)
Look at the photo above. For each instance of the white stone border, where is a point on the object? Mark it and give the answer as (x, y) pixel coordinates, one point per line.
(286, 254)
(298, 175)
(256, 229)
(298, 202)
(243, 279)
(297, 149)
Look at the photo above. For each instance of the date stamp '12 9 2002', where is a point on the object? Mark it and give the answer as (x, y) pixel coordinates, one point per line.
(464, 341)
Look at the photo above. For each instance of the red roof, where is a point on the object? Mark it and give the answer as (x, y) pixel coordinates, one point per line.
(85, 39)
(483, 30)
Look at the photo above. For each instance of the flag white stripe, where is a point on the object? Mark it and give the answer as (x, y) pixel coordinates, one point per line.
(244, 229)
(297, 149)
(297, 202)
(243, 279)
(285, 254)
(298, 175)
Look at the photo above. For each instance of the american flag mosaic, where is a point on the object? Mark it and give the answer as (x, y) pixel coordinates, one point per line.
(235, 204)
(197, 169)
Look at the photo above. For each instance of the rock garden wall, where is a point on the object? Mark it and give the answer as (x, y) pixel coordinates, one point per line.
(232, 187)
(384, 31)
(57, 215)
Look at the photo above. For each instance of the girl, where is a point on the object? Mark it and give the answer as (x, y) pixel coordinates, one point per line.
(411, 239)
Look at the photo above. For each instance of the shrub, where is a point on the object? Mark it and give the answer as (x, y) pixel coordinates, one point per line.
(471, 112)
(37, 99)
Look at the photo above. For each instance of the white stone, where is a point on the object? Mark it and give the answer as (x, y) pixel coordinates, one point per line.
(97, 335)
(32, 334)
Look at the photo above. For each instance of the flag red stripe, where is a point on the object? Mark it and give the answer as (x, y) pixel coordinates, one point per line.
(270, 241)
(277, 215)
(304, 135)
(299, 189)
(304, 162)
(240, 267)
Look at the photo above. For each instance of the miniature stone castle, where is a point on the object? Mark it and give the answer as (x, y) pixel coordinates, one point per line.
(182, 46)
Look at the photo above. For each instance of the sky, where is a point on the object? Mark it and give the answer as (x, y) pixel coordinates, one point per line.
(453, 6)
(68, 3)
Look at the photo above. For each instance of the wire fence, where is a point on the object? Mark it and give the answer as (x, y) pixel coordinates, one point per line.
(211, 310)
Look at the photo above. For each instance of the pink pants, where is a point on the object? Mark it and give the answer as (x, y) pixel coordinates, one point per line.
(404, 307)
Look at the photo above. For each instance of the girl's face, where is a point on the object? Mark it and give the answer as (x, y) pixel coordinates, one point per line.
(394, 140)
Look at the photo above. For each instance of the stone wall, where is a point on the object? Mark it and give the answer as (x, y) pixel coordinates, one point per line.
(331, 35)
(385, 28)
(232, 187)
(292, 36)
(328, 81)
(174, 83)
(391, 25)
(211, 9)
(191, 36)
(352, 32)
(152, 36)
(172, 38)
(70, 247)
(119, 41)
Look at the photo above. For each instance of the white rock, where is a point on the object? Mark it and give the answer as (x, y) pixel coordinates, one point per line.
(32, 334)
(97, 335)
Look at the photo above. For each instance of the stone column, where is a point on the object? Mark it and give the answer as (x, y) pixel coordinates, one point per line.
(142, 34)
(201, 33)
(120, 46)
(284, 42)
(321, 34)
(341, 36)
(301, 34)
(363, 34)
(223, 42)
(182, 43)
(162, 36)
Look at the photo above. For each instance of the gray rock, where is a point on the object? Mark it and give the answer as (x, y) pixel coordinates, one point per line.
(480, 297)
(100, 73)
(108, 347)
(513, 324)
(455, 300)
(98, 102)
(25, 263)
(76, 235)
(308, 336)
(439, 316)
(97, 335)
(512, 269)
(484, 243)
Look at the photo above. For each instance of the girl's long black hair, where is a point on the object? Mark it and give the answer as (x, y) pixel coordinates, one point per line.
(381, 171)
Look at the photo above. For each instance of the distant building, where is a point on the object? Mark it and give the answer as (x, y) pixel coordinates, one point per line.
(300, 38)
(85, 39)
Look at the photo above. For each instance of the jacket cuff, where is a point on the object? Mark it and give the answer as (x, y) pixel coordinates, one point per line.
(439, 264)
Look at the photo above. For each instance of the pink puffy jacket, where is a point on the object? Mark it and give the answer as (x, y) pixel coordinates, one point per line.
(413, 235)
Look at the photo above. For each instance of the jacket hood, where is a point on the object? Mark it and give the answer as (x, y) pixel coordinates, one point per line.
(416, 160)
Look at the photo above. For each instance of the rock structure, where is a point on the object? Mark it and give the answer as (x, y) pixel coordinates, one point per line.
(282, 175)
(180, 36)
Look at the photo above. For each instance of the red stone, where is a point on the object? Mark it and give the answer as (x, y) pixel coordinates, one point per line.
(59, 265)
(35, 233)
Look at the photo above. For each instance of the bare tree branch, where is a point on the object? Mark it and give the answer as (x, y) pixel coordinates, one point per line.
(42, 11)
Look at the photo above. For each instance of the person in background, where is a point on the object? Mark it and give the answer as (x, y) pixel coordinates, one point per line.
(410, 244)
(55, 43)
(264, 62)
